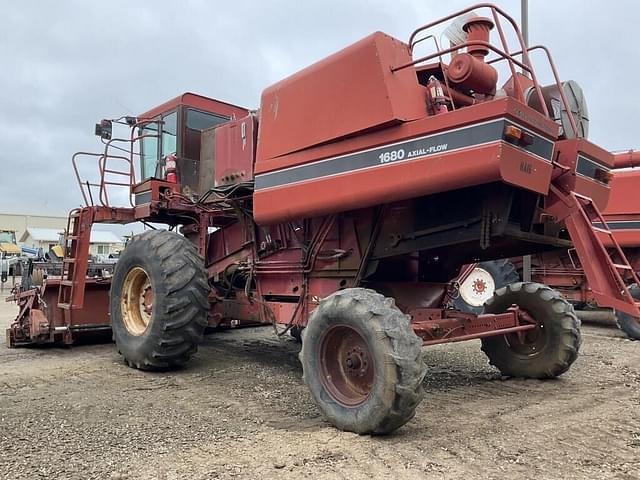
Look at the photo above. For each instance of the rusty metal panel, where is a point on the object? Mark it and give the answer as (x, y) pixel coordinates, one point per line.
(207, 159)
(348, 92)
(234, 151)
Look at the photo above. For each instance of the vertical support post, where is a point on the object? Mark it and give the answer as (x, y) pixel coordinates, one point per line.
(526, 268)
(524, 21)
(524, 26)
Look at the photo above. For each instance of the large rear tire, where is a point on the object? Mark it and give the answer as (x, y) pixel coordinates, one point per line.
(628, 324)
(544, 352)
(481, 284)
(159, 301)
(362, 362)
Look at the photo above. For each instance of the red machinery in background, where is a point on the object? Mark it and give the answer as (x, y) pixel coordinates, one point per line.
(343, 207)
(563, 270)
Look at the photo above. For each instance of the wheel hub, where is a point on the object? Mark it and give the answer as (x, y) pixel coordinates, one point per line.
(346, 365)
(478, 287)
(136, 301)
(529, 342)
(357, 362)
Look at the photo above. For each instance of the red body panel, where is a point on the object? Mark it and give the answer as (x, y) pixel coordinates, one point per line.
(429, 172)
(625, 193)
(199, 102)
(401, 181)
(348, 92)
(577, 154)
(234, 151)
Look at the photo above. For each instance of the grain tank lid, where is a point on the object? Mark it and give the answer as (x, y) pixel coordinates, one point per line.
(199, 102)
(348, 92)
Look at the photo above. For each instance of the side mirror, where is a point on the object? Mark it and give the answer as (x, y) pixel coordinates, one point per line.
(104, 129)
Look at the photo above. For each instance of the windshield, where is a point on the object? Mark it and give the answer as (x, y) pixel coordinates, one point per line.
(7, 237)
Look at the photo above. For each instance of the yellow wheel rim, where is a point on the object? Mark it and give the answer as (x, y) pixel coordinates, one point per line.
(136, 301)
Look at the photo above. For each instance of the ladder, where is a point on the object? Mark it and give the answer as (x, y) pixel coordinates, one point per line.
(77, 238)
(607, 269)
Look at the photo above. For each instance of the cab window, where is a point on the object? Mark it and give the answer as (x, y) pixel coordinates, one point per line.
(170, 134)
(149, 150)
(196, 122)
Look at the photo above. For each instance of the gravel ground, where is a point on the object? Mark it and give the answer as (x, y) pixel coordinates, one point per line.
(240, 410)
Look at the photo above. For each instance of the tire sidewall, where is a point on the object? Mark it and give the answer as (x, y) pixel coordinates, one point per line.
(381, 397)
(134, 347)
(554, 321)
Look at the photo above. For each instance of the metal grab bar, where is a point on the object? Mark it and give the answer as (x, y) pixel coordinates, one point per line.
(496, 13)
(556, 78)
(104, 169)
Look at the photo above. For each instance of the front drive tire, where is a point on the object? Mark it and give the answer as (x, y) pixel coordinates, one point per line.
(159, 301)
(549, 349)
(362, 362)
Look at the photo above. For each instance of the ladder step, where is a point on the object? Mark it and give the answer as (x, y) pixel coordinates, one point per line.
(622, 267)
(72, 237)
(69, 260)
(601, 230)
(67, 283)
(64, 306)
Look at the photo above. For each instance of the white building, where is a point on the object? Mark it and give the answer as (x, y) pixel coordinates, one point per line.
(20, 222)
(103, 243)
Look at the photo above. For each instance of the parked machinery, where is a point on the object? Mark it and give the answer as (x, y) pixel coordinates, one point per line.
(10, 254)
(343, 207)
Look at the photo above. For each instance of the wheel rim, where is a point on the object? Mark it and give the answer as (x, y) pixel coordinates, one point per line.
(528, 343)
(478, 287)
(137, 301)
(346, 364)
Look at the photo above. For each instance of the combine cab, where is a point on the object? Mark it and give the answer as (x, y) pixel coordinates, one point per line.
(342, 208)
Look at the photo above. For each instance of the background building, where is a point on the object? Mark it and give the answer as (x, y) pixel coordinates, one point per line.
(20, 222)
(42, 231)
(102, 243)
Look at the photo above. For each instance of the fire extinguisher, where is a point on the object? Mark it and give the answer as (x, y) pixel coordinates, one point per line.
(436, 99)
(171, 169)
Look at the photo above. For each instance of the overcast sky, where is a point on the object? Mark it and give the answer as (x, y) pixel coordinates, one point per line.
(67, 64)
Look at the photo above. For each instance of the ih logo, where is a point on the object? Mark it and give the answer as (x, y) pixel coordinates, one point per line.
(526, 167)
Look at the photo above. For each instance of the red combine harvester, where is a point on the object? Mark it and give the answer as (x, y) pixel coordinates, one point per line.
(341, 209)
(562, 269)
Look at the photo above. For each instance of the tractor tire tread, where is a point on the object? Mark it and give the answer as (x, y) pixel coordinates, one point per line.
(390, 325)
(561, 322)
(182, 313)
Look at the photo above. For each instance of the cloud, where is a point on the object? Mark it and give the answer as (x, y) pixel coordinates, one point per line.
(68, 64)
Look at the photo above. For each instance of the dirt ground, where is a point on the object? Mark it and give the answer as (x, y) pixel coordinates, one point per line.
(240, 410)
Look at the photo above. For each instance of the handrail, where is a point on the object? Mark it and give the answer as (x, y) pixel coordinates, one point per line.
(556, 77)
(505, 54)
(104, 169)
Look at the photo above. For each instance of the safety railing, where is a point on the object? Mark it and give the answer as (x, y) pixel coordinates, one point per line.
(122, 175)
(504, 54)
